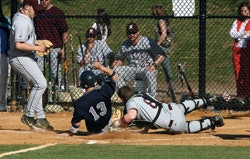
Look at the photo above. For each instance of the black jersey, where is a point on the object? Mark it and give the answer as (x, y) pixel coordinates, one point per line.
(95, 107)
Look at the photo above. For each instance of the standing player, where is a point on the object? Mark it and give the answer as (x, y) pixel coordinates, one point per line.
(169, 116)
(143, 55)
(21, 56)
(95, 105)
(94, 50)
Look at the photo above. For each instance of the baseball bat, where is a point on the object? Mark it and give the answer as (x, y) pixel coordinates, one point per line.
(183, 77)
(80, 42)
(74, 72)
(172, 92)
(66, 82)
(50, 89)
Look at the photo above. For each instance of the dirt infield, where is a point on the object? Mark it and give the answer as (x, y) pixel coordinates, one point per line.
(236, 132)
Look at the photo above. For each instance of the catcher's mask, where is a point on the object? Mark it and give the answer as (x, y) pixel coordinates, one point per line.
(88, 79)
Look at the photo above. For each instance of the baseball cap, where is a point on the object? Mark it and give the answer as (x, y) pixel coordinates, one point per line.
(91, 32)
(34, 3)
(132, 28)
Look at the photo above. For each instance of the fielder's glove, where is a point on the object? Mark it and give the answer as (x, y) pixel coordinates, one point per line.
(48, 45)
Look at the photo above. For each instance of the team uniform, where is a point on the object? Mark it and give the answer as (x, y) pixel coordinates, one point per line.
(24, 63)
(4, 36)
(95, 108)
(139, 58)
(172, 115)
(241, 57)
(101, 52)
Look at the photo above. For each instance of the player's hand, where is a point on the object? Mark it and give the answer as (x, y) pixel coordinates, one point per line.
(41, 48)
(90, 46)
(97, 65)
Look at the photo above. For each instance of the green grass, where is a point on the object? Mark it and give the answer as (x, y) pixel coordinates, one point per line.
(127, 151)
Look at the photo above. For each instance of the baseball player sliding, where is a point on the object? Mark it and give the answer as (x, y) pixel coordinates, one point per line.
(143, 109)
(143, 55)
(95, 105)
(22, 55)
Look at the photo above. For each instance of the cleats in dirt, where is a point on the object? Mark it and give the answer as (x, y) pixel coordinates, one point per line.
(42, 124)
(28, 120)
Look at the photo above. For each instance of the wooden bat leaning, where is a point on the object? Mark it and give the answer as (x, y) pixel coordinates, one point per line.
(74, 72)
(182, 74)
(65, 66)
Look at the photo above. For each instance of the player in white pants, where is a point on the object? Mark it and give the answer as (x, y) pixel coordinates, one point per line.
(143, 55)
(21, 58)
(144, 108)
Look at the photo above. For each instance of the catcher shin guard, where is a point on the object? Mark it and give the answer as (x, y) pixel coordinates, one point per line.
(204, 124)
(191, 105)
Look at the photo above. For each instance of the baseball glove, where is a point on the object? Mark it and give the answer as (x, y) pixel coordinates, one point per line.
(48, 45)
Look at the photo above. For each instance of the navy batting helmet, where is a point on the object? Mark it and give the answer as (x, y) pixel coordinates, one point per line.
(88, 79)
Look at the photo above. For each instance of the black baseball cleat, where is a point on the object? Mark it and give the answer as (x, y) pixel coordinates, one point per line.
(30, 121)
(217, 121)
(42, 124)
(210, 99)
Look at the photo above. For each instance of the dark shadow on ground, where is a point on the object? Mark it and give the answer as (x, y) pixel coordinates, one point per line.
(233, 137)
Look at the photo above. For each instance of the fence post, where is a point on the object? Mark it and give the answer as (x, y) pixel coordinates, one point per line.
(202, 48)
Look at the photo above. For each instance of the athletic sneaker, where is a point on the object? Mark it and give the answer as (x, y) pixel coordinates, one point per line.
(42, 124)
(28, 120)
(217, 121)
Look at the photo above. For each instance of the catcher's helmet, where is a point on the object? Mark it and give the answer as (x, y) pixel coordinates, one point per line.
(88, 79)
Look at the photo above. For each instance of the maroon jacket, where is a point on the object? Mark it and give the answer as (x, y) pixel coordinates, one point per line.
(51, 24)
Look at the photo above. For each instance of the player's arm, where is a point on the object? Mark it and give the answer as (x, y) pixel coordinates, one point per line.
(159, 60)
(22, 46)
(126, 119)
(106, 70)
(163, 28)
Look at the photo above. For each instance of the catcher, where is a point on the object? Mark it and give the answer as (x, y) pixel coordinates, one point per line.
(144, 111)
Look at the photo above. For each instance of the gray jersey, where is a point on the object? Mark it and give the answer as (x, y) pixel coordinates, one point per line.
(22, 30)
(147, 110)
(172, 115)
(142, 54)
(100, 52)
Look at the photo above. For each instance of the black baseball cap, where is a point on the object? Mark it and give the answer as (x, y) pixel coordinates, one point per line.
(91, 32)
(34, 3)
(132, 28)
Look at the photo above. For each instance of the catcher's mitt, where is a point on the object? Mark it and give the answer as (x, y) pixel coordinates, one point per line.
(48, 45)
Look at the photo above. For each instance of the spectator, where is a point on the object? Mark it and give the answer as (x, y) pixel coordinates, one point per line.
(164, 38)
(51, 24)
(4, 36)
(95, 105)
(21, 58)
(102, 25)
(143, 55)
(154, 114)
(240, 32)
(94, 50)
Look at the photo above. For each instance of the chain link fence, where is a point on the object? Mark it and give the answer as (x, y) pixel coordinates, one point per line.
(202, 45)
